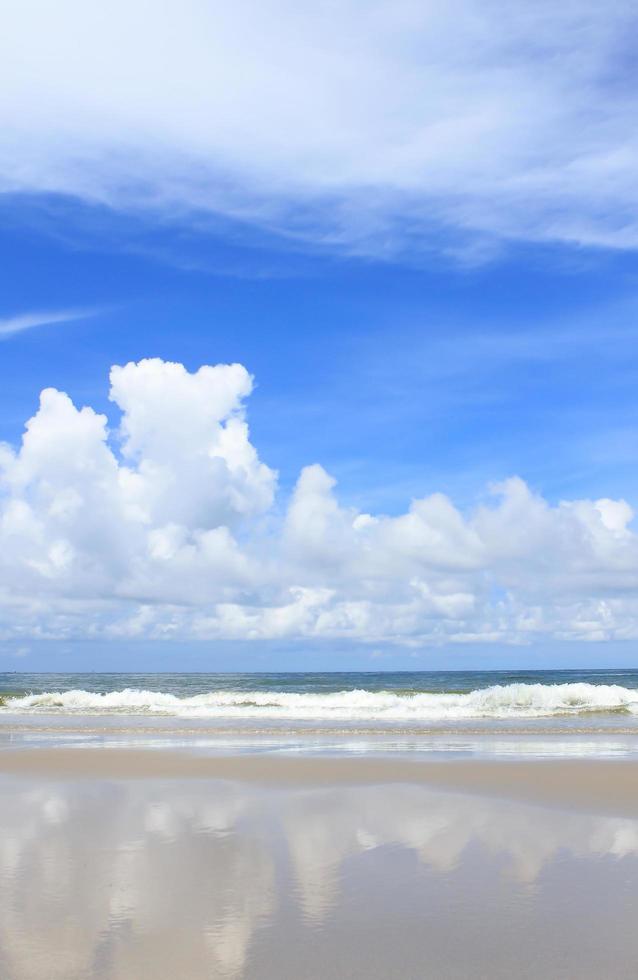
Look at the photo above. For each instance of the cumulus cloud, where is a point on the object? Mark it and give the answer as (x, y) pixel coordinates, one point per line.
(370, 127)
(167, 525)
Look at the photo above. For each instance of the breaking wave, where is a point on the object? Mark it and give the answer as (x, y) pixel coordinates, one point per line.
(498, 701)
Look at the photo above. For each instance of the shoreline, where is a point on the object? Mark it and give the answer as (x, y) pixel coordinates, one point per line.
(608, 787)
(98, 724)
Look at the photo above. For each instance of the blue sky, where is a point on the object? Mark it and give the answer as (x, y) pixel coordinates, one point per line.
(430, 301)
(401, 380)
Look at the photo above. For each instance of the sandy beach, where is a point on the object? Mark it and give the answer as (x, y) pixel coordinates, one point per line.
(120, 863)
(592, 785)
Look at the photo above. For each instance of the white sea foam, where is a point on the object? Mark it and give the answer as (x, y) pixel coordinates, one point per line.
(499, 701)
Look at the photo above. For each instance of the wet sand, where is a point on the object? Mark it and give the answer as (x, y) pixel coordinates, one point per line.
(295, 870)
(609, 786)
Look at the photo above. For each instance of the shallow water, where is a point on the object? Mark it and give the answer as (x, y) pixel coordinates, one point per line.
(543, 740)
(165, 879)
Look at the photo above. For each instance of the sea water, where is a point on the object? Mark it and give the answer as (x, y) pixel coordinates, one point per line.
(498, 713)
(401, 698)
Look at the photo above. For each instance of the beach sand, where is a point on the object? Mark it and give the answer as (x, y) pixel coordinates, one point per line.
(602, 786)
(128, 863)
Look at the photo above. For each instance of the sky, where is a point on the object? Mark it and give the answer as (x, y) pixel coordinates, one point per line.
(318, 335)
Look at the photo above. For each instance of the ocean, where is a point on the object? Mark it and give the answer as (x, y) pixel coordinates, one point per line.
(399, 699)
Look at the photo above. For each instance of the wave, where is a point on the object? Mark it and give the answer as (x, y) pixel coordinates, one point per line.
(498, 701)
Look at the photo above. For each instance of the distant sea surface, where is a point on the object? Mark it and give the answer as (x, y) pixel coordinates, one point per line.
(408, 700)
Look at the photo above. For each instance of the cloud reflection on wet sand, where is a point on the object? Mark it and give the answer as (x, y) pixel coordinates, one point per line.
(160, 879)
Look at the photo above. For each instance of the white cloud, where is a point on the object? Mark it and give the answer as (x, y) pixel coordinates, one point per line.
(167, 527)
(369, 127)
(26, 321)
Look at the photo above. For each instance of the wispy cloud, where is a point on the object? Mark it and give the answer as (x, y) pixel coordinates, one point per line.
(384, 128)
(26, 321)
